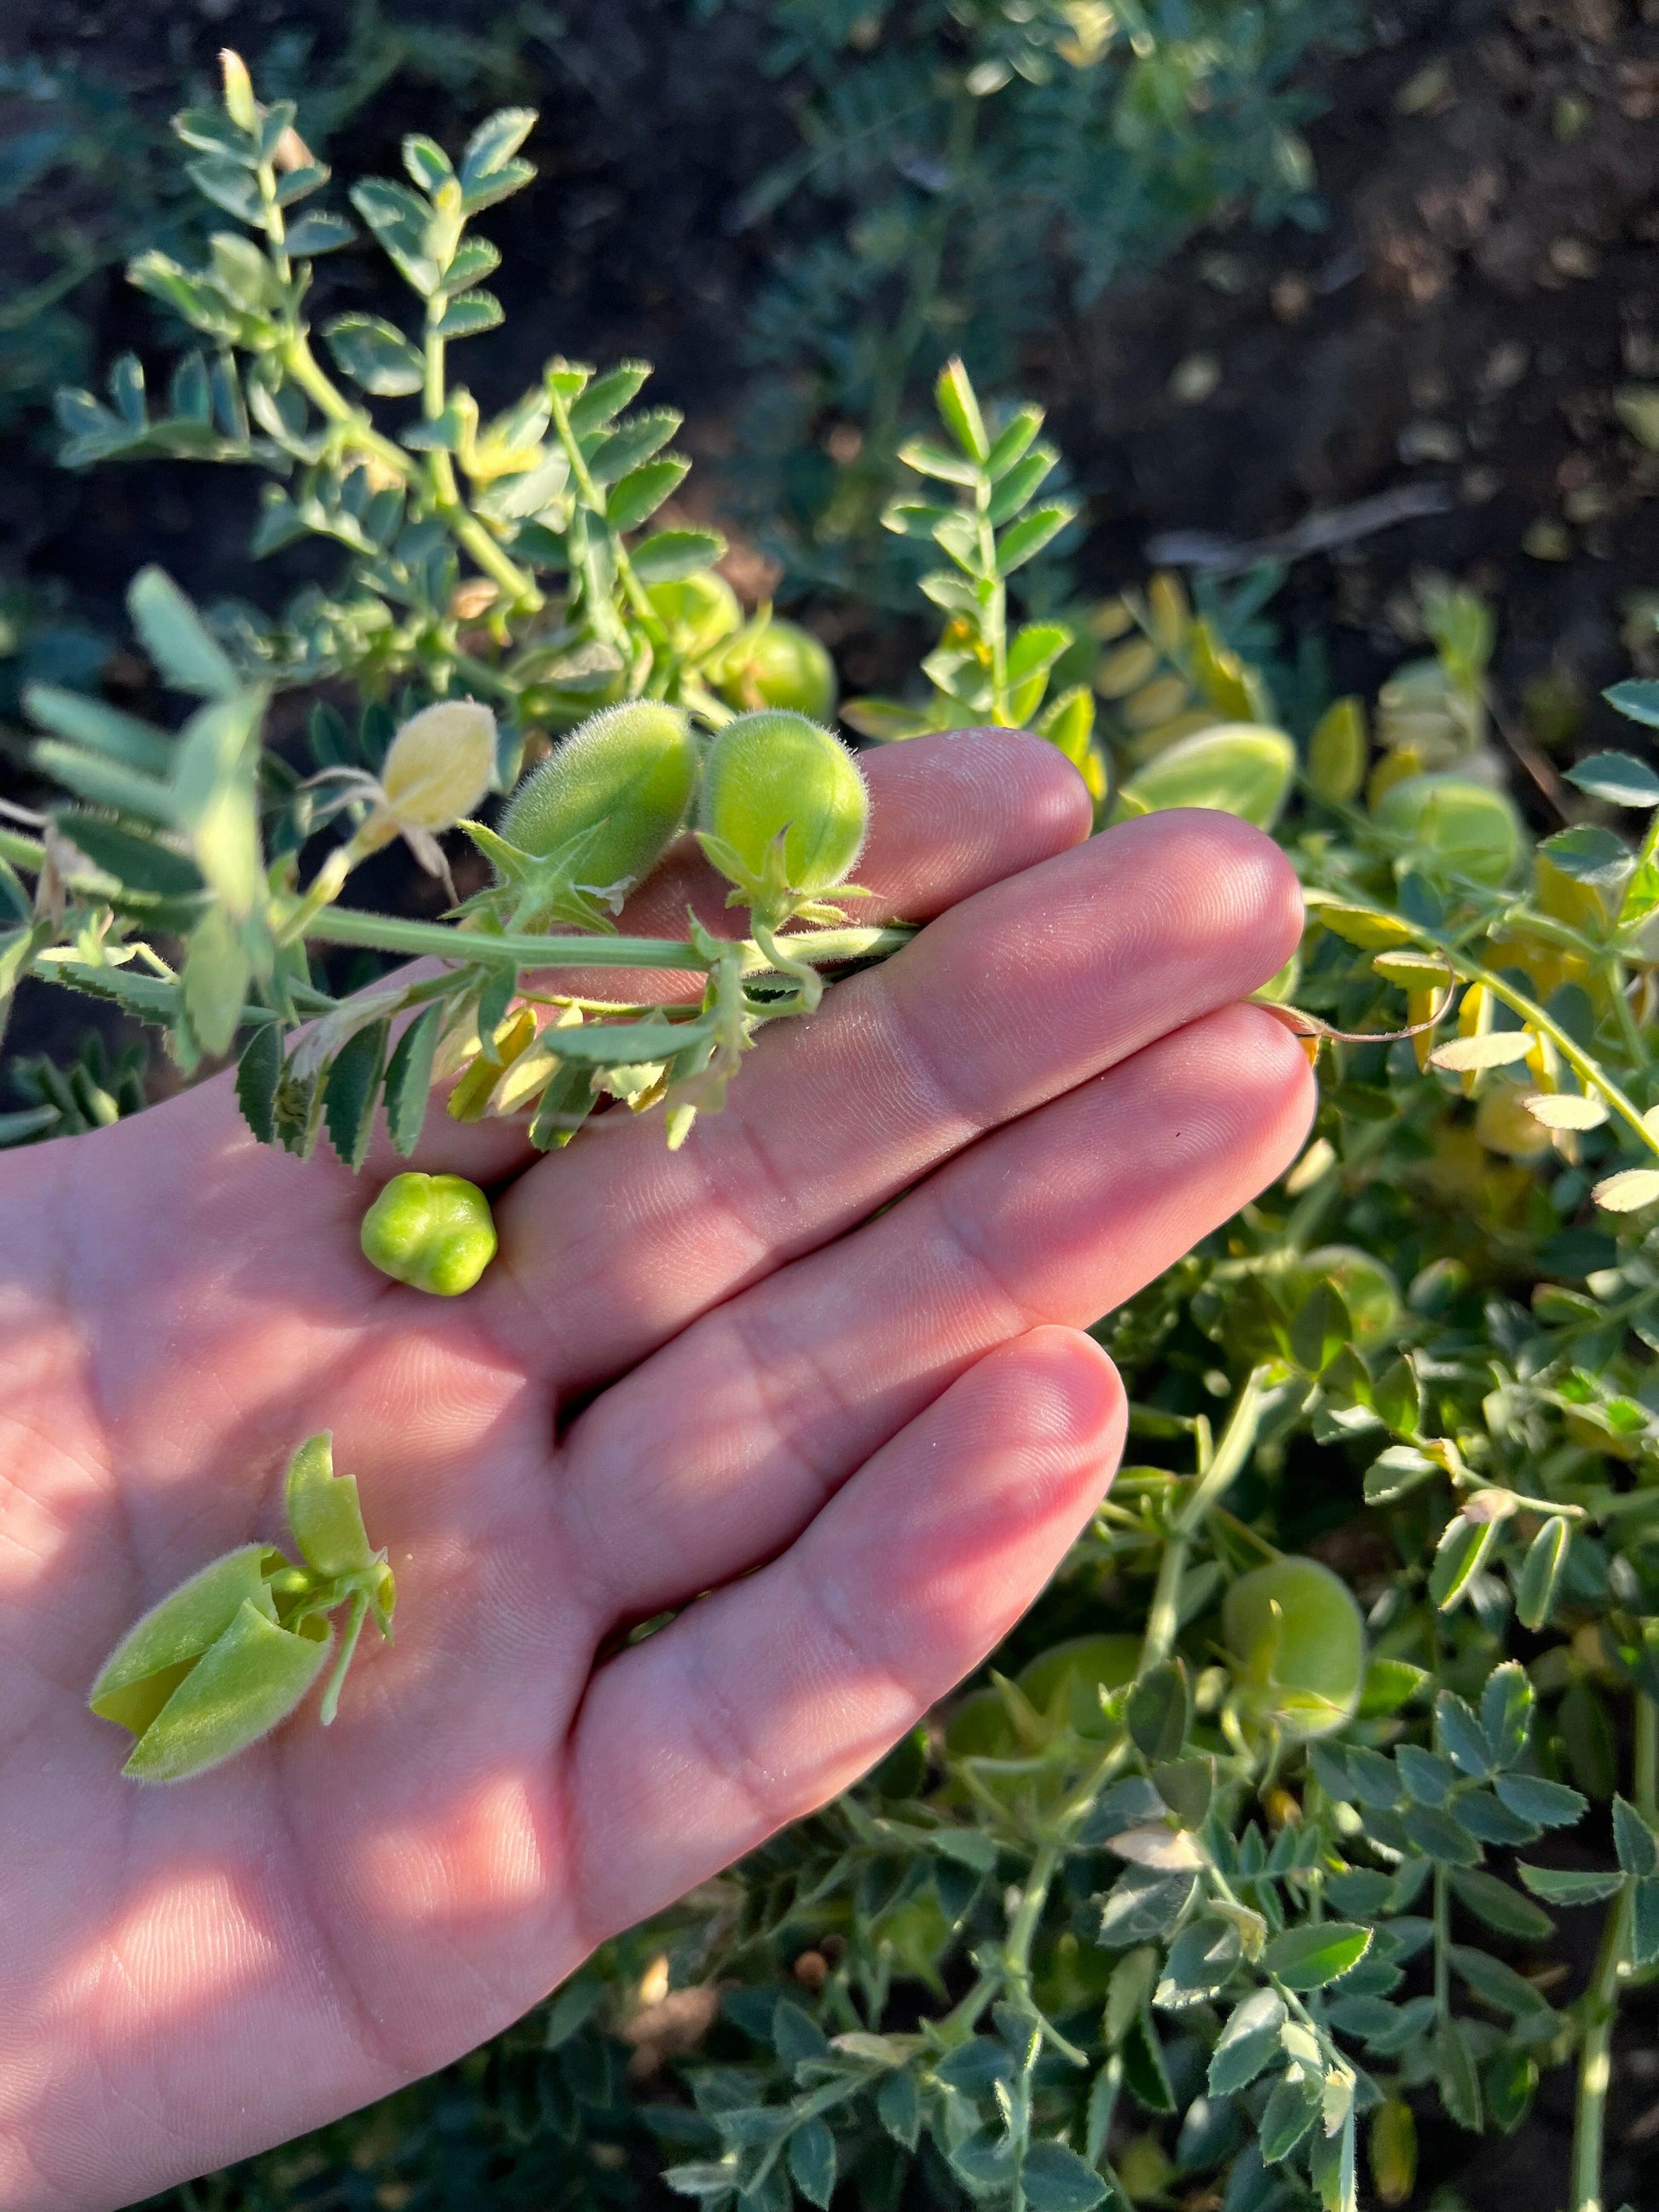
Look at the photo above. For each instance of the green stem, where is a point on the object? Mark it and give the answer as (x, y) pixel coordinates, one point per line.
(809, 982)
(1442, 1945)
(1017, 1969)
(1629, 1028)
(387, 933)
(1613, 1965)
(1645, 1723)
(304, 369)
(1218, 1471)
(638, 599)
(1600, 2013)
(22, 852)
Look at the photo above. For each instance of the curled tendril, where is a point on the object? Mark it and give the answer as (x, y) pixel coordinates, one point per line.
(1315, 1032)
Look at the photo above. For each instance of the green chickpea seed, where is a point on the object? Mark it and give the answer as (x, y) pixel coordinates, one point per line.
(431, 1231)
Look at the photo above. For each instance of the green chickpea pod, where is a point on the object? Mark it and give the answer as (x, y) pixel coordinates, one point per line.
(780, 665)
(784, 812)
(783, 816)
(1298, 1647)
(434, 1232)
(592, 820)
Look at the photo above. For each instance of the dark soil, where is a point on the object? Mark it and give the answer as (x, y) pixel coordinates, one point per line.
(1487, 287)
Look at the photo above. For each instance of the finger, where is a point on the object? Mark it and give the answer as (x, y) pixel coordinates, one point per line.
(950, 814)
(1056, 1219)
(1008, 999)
(773, 1694)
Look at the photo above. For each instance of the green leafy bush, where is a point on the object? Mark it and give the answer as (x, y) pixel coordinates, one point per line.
(969, 170)
(1239, 1857)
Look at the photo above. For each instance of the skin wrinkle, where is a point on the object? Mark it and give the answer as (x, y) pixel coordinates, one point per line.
(326, 1942)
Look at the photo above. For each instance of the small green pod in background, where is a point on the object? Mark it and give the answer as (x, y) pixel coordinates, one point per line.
(783, 809)
(698, 610)
(624, 778)
(778, 664)
(433, 1232)
(1453, 823)
(1298, 1642)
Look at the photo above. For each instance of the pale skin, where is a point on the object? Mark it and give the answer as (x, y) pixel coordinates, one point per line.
(682, 1368)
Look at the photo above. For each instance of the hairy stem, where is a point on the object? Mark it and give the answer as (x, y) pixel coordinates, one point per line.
(386, 932)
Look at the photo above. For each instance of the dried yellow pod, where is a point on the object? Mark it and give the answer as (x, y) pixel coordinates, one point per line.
(439, 765)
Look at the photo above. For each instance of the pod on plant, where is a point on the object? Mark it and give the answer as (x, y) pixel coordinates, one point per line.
(1450, 821)
(593, 819)
(1298, 1647)
(1066, 1682)
(698, 610)
(778, 664)
(434, 1232)
(784, 811)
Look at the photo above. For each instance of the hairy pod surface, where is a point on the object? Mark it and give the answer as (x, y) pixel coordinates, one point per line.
(772, 775)
(627, 774)
(434, 1232)
(1298, 1647)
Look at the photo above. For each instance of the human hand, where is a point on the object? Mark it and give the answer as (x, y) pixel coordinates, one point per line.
(682, 1367)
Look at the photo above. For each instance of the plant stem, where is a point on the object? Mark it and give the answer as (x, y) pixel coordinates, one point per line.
(1584, 1064)
(1217, 1473)
(638, 599)
(1601, 2011)
(1017, 1969)
(22, 852)
(1613, 1965)
(1442, 1945)
(386, 932)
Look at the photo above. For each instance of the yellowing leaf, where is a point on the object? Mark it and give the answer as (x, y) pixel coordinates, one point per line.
(1628, 1190)
(1170, 1850)
(1563, 1109)
(1496, 1049)
(1356, 926)
(1416, 970)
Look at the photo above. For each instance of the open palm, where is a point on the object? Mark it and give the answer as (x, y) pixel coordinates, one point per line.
(683, 1368)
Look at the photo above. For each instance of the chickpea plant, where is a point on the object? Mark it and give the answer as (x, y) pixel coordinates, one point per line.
(1236, 1862)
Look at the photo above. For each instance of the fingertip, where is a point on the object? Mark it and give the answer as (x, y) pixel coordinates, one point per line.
(1239, 893)
(1270, 1078)
(1055, 1403)
(959, 810)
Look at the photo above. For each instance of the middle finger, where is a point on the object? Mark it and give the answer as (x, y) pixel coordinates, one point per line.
(1009, 1000)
